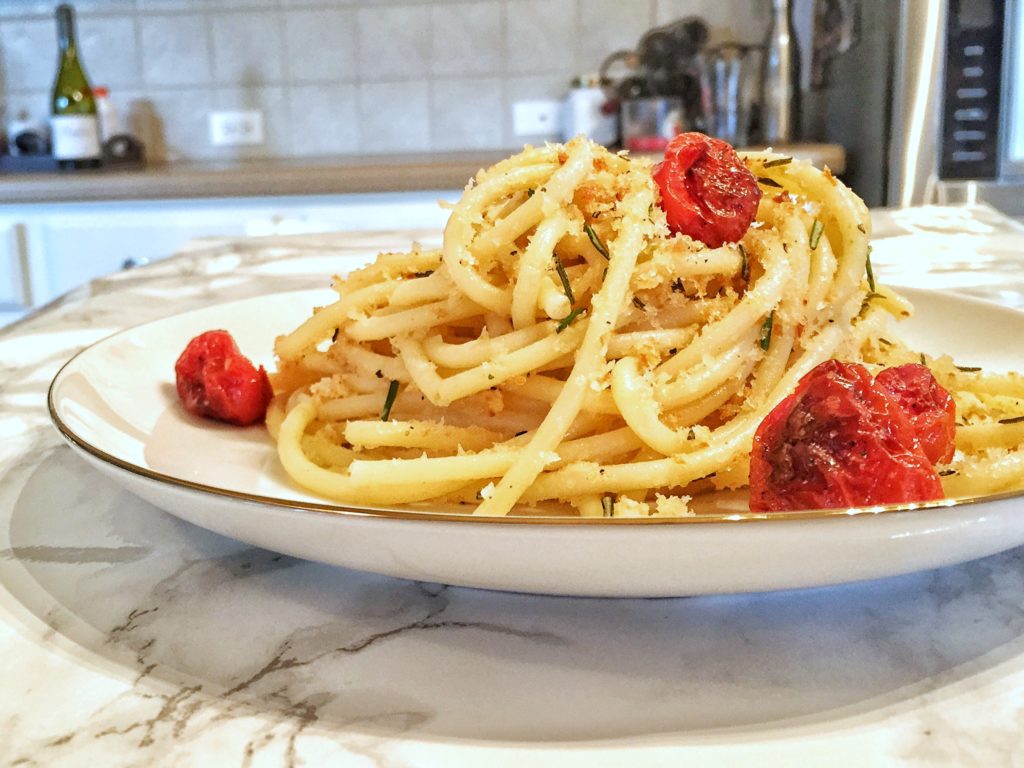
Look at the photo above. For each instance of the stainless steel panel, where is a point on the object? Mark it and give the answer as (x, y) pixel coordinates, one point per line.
(914, 152)
(1012, 128)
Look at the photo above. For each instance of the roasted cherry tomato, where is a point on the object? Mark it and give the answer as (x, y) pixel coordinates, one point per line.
(215, 380)
(929, 407)
(706, 190)
(838, 441)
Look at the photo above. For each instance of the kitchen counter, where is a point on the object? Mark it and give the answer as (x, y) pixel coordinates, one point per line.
(129, 637)
(355, 174)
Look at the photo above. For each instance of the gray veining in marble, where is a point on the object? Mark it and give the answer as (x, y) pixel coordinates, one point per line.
(128, 637)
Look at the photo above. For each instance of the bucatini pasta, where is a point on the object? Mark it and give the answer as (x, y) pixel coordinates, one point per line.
(564, 353)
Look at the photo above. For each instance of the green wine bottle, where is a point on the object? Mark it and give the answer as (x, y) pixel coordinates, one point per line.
(73, 123)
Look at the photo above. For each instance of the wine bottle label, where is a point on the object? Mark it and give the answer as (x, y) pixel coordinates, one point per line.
(75, 137)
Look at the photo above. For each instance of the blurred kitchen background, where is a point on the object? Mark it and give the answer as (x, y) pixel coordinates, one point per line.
(263, 117)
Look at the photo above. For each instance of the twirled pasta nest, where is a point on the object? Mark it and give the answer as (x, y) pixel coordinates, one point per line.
(564, 353)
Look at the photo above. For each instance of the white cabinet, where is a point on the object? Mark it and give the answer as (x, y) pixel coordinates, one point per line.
(15, 288)
(48, 249)
(15, 280)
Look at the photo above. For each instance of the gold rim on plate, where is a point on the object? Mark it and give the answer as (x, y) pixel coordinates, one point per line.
(410, 513)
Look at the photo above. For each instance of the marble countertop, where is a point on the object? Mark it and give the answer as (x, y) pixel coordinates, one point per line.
(130, 638)
(306, 176)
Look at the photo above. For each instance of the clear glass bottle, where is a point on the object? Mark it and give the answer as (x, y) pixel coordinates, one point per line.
(73, 124)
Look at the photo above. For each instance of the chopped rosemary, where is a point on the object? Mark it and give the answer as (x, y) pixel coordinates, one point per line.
(566, 321)
(424, 273)
(520, 434)
(560, 269)
(777, 162)
(1012, 420)
(529, 192)
(766, 331)
(769, 182)
(884, 341)
(969, 368)
(947, 472)
(595, 240)
(639, 303)
(861, 228)
(923, 361)
(677, 285)
(816, 231)
(389, 401)
(744, 264)
(608, 505)
(334, 336)
(871, 272)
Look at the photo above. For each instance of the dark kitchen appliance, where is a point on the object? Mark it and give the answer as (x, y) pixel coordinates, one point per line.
(928, 99)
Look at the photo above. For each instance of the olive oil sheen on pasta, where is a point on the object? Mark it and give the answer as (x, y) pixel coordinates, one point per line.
(73, 122)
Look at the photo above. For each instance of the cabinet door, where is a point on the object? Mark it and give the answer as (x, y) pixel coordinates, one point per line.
(15, 280)
(82, 241)
(79, 246)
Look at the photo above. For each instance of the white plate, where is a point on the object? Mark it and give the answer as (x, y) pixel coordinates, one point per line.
(115, 403)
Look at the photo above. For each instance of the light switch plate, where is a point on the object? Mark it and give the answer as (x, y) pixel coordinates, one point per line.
(536, 118)
(236, 128)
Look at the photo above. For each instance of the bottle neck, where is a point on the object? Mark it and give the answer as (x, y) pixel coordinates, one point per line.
(66, 30)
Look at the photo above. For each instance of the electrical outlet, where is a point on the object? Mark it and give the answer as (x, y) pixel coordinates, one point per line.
(536, 118)
(236, 129)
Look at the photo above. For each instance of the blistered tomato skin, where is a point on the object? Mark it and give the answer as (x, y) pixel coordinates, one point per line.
(216, 381)
(706, 190)
(838, 441)
(928, 406)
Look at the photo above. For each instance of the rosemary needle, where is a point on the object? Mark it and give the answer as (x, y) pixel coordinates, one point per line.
(560, 269)
(596, 241)
(389, 401)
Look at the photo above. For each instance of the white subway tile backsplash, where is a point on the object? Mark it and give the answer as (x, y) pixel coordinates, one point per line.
(314, 3)
(394, 117)
(320, 45)
(26, 8)
(35, 104)
(176, 50)
(248, 48)
(609, 25)
(323, 120)
(336, 77)
(180, 128)
(47, 8)
(468, 114)
(203, 5)
(729, 20)
(119, 65)
(540, 37)
(393, 42)
(532, 88)
(28, 54)
(467, 39)
(271, 102)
